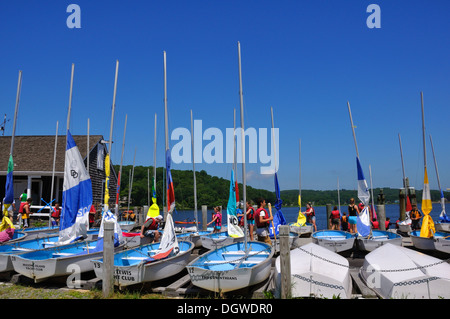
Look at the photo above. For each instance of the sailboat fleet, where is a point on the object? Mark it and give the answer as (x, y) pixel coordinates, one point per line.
(230, 260)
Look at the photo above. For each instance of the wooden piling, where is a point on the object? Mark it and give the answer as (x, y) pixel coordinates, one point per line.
(328, 215)
(108, 259)
(204, 217)
(381, 216)
(285, 262)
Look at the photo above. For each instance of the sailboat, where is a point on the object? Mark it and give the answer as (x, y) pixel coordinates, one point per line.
(425, 238)
(404, 226)
(77, 200)
(240, 264)
(193, 234)
(278, 217)
(234, 233)
(7, 229)
(444, 221)
(301, 227)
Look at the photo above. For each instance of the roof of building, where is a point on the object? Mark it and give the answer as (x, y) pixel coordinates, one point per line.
(35, 153)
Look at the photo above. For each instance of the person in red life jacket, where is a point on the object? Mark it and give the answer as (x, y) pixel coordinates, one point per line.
(387, 223)
(310, 215)
(262, 221)
(56, 214)
(335, 218)
(250, 219)
(375, 224)
(150, 228)
(92, 212)
(26, 212)
(216, 219)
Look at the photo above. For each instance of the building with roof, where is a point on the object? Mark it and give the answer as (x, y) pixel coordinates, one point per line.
(34, 166)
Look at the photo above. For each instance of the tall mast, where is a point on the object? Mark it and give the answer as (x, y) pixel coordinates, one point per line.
(353, 128)
(193, 168)
(244, 182)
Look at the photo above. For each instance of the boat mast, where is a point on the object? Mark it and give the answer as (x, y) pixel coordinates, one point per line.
(166, 123)
(437, 175)
(193, 168)
(353, 128)
(154, 159)
(121, 164)
(423, 134)
(300, 171)
(244, 182)
(53, 176)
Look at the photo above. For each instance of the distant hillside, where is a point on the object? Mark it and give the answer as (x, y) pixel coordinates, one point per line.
(214, 191)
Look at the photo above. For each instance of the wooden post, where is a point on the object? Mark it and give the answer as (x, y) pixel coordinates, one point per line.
(143, 217)
(328, 215)
(204, 217)
(381, 214)
(285, 262)
(108, 259)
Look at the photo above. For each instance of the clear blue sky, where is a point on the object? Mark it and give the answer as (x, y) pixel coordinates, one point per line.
(304, 58)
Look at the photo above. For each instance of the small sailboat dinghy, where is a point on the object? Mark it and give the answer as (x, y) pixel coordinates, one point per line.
(398, 272)
(316, 272)
(335, 240)
(149, 262)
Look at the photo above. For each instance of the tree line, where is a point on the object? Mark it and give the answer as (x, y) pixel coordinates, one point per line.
(214, 191)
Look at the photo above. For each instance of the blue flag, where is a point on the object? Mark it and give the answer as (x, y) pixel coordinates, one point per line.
(363, 219)
(77, 195)
(278, 217)
(233, 223)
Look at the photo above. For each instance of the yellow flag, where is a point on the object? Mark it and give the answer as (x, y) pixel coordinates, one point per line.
(6, 223)
(107, 173)
(301, 219)
(427, 229)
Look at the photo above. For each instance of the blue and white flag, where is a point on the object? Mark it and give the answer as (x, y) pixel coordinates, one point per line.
(77, 195)
(108, 216)
(363, 219)
(234, 230)
(278, 217)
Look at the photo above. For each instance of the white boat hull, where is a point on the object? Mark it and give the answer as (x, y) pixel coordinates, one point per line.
(404, 228)
(397, 272)
(335, 240)
(218, 240)
(445, 227)
(127, 225)
(306, 229)
(225, 270)
(52, 263)
(276, 243)
(316, 271)
(378, 238)
(139, 272)
(39, 232)
(194, 237)
(424, 243)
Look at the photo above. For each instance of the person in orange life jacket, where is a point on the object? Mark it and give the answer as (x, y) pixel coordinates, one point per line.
(344, 222)
(56, 214)
(310, 215)
(375, 224)
(335, 218)
(26, 212)
(415, 216)
(262, 221)
(150, 228)
(216, 219)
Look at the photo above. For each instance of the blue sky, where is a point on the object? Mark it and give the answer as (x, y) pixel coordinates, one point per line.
(306, 59)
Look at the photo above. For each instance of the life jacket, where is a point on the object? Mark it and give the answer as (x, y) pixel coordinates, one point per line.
(311, 212)
(414, 214)
(256, 216)
(218, 221)
(335, 214)
(153, 225)
(251, 215)
(375, 225)
(386, 224)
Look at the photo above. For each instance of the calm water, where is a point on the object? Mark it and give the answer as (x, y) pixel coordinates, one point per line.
(291, 213)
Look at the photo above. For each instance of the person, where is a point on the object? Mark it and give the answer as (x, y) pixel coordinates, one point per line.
(92, 212)
(387, 223)
(344, 222)
(310, 215)
(24, 196)
(26, 212)
(56, 214)
(335, 218)
(216, 219)
(150, 228)
(262, 221)
(375, 224)
(415, 216)
(250, 219)
(352, 213)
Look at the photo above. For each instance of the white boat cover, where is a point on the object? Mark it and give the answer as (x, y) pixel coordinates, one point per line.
(316, 271)
(399, 272)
